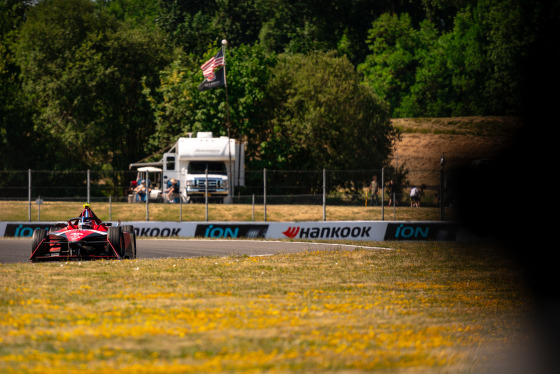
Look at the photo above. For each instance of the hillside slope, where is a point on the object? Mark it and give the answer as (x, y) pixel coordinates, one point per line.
(461, 139)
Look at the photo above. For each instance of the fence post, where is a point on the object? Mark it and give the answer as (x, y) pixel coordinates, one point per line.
(264, 193)
(147, 206)
(88, 186)
(29, 193)
(324, 195)
(383, 194)
(148, 184)
(253, 207)
(110, 206)
(206, 194)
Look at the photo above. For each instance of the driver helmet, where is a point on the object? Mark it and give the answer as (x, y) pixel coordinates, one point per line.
(84, 224)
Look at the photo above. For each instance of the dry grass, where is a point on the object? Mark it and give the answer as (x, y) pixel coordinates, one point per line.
(61, 211)
(429, 307)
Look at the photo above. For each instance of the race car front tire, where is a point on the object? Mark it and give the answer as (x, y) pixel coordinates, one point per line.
(115, 237)
(37, 247)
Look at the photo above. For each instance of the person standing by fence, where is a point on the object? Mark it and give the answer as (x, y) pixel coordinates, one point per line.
(392, 190)
(374, 191)
(172, 191)
(414, 197)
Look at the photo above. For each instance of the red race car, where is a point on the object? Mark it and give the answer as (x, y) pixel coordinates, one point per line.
(84, 237)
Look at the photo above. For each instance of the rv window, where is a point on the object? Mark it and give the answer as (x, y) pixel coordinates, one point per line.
(199, 167)
(170, 163)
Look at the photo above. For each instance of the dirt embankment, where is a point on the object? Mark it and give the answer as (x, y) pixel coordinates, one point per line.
(460, 139)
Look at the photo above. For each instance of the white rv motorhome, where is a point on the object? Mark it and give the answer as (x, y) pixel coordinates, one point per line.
(201, 164)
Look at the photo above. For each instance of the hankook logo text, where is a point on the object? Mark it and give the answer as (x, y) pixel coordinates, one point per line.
(328, 232)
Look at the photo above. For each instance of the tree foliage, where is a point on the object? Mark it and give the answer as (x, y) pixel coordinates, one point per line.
(395, 55)
(16, 126)
(320, 107)
(83, 71)
(103, 83)
(450, 77)
(473, 63)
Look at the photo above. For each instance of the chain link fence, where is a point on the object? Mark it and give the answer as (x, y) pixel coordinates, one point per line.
(262, 187)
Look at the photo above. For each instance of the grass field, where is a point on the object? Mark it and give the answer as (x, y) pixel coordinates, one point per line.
(61, 211)
(413, 308)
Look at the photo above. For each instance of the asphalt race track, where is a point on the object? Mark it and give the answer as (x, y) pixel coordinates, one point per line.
(19, 250)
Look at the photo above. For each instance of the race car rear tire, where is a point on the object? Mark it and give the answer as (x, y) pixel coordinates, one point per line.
(130, 229)
(38, 236)
(115, 237)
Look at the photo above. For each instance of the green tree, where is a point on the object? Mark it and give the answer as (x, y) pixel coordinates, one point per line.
(83, 71)
(450, 79)
(17, 141)
(134, 12)
(512, 29)
(239, 20)
(442, 12)
(302, 26)
(476, 65)
(396, 50)
(190, 24)
(323, 117)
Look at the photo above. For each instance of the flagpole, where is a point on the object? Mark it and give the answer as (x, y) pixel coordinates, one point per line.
(224, 43)
(230, 179)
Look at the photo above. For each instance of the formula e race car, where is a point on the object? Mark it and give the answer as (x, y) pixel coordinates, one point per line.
(84, 237)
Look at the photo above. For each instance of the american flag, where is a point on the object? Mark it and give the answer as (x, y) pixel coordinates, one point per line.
(210, 65)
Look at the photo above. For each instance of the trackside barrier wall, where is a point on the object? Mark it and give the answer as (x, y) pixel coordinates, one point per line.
(339, 230)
